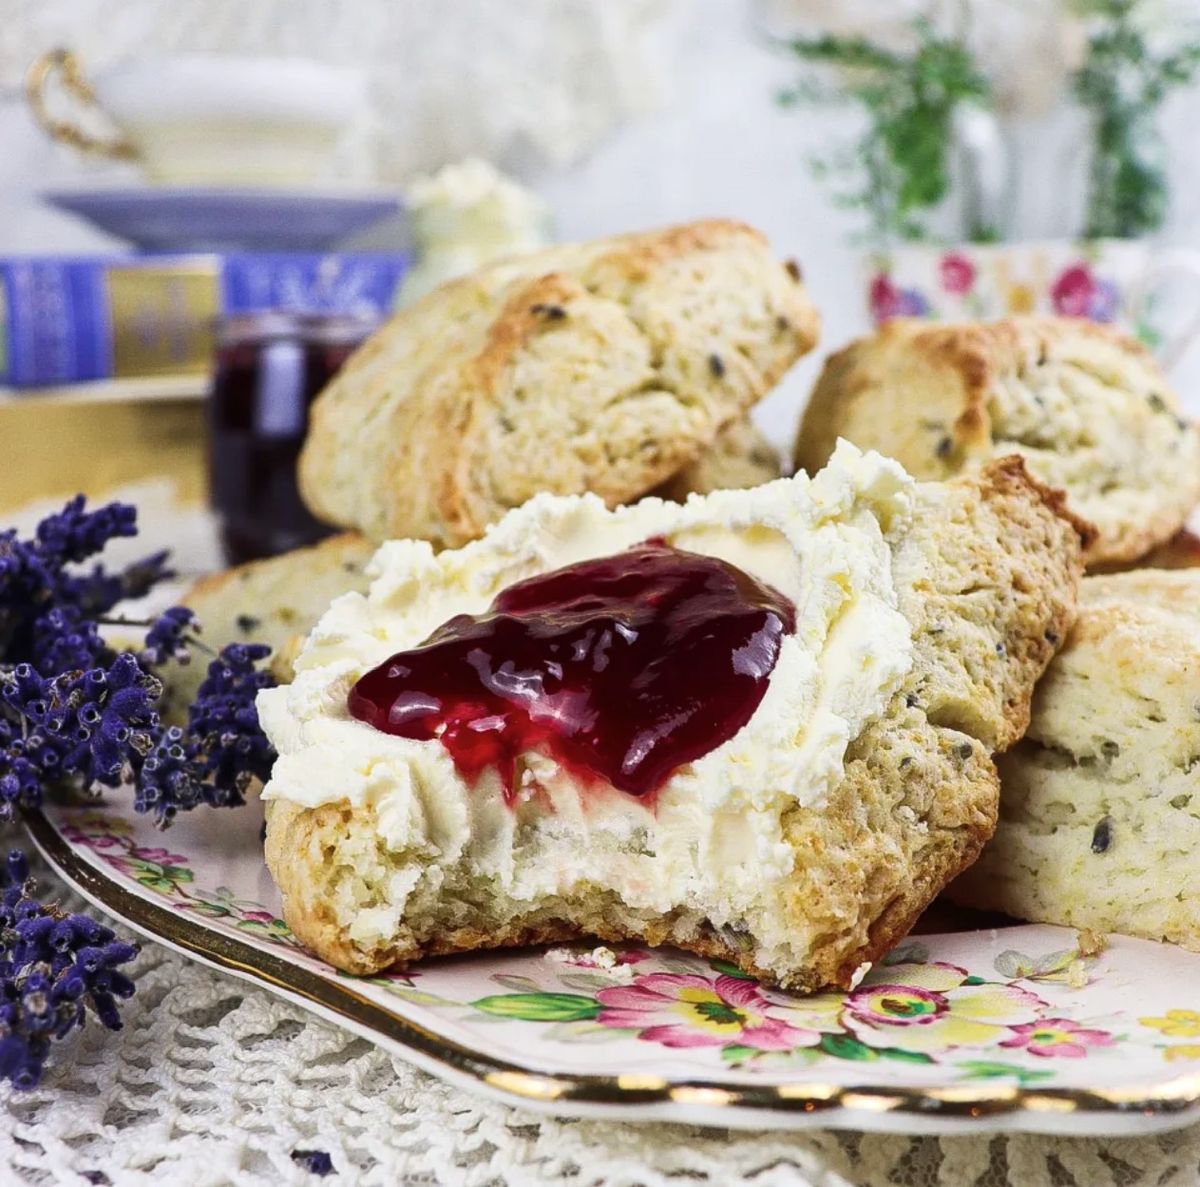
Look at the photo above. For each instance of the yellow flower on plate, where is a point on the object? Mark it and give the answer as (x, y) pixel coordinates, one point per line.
(1181, 1051)
(1180, 1024)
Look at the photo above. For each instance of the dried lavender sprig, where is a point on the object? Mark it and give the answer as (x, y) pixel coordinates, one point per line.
(42, 574)
(73, 710)
(223, 748)
(56, 968)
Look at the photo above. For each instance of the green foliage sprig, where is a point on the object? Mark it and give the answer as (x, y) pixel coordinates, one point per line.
(1122, 85)
(902, 159)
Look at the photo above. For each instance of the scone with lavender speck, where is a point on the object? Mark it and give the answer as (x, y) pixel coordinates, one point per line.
(1100, 808)
(607, 367)
(1086, 406)
(758, 725)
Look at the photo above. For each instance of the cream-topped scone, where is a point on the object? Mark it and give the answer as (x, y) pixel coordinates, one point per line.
(896, 630)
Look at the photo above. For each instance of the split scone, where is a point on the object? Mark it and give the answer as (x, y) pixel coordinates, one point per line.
(1086, 406)
(605, 367)
(758, 725)
(1100, 808)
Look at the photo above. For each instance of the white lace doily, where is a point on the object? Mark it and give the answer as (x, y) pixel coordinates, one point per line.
(213, 1082)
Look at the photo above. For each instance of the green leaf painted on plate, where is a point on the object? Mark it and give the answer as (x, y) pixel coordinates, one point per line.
(984, 1069)
(417, 997)
(585, 1032)
(586, 981)
(1014, 965)
(517, 982)
(902, 1056)
(842, 1046)
(730, 970)
(539, 1007)
(736, 1053)
(910, 953)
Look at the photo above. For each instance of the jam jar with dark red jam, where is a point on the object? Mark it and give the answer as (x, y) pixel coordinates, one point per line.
(269, 368)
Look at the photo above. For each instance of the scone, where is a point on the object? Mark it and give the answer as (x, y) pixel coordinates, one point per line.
(605, 367)
(1087, 407)
(1100, 809)
(271, 601)
(758, 725)
(740, 457)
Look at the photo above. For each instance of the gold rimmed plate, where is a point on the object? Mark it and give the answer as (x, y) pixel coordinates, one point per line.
(973, 1030)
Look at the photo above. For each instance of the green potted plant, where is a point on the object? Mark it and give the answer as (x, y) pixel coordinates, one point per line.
(931, 155)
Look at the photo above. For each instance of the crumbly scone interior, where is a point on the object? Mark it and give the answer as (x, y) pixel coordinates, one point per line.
(798, 887)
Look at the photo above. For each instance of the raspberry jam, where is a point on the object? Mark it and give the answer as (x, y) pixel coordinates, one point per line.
(621, 669)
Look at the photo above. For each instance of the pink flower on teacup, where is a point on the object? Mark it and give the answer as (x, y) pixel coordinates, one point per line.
(1073, 291)
(957, 273)
(884, 298)
(888, 300)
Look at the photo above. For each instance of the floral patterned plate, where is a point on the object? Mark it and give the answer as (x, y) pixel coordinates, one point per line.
(976, 1030)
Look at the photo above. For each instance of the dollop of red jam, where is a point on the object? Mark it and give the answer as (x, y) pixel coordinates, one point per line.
(621, 669)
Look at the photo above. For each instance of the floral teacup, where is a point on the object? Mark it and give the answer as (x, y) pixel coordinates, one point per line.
(1123, 281)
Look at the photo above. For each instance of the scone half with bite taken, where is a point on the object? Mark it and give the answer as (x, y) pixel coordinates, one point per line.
(1100, 808)
(758, 725)
(1086, 406)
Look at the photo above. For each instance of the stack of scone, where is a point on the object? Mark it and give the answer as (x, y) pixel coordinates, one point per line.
(1100, 811)
(565, 415)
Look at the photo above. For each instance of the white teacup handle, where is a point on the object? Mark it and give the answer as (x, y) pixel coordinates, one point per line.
(64, 65)
(1165, 263)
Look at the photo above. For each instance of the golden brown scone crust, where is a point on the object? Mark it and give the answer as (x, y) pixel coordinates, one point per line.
(605, 367)
(987, 577)
(1086, 406)
(274, 601)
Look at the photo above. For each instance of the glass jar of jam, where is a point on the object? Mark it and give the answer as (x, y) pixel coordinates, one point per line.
(269, 367)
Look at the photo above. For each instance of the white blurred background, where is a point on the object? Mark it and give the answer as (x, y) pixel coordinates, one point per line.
(621, 113)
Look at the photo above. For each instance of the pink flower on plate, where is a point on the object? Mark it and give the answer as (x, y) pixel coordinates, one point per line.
(935, 1007)
(957, 273)
(259, 916)
(689, 1010)
(1057, 1036)
(1073, 291)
